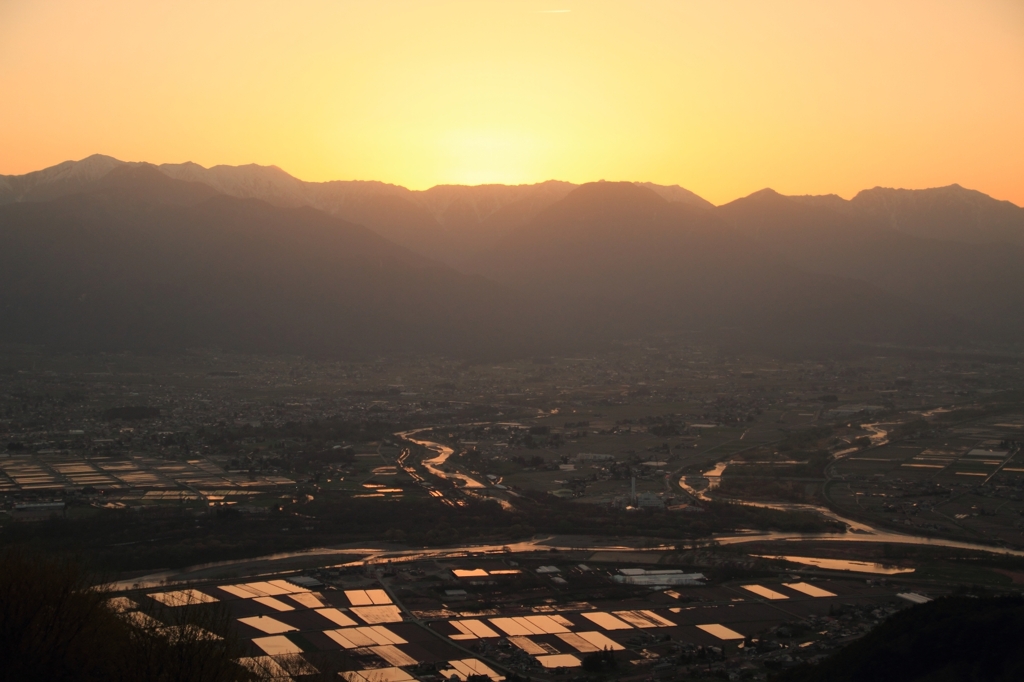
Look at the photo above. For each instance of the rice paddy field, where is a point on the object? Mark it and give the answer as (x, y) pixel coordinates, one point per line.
(360, 627)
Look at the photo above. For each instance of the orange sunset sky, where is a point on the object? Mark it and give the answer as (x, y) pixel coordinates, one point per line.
(721, 96)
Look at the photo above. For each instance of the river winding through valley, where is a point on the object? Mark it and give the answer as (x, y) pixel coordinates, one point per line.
(857, 532)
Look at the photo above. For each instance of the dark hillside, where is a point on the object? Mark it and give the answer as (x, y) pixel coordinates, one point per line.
(56, 626)
(143, 261)
(955, 639)
(981, 284)
(621, 260)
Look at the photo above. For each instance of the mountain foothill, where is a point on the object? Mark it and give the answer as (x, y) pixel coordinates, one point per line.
(101, 254)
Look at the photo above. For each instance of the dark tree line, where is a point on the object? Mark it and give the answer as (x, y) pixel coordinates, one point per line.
(56, 626)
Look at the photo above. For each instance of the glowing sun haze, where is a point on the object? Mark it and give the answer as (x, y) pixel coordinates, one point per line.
(722, 97)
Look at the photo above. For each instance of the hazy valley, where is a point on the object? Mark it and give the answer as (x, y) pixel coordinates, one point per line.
(313, 430)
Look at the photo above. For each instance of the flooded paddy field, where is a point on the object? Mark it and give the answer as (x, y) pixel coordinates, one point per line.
(915, 566)
(520, 615)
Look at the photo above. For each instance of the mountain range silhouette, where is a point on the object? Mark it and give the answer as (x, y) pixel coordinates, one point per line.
(102, 254)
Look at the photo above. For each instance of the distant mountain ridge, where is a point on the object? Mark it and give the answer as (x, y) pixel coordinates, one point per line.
(101, 254)
(969, 279)
(143, 261)
(456, 223)
(68, 177)
(618, 259)
(948, 213)
(450, 223)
